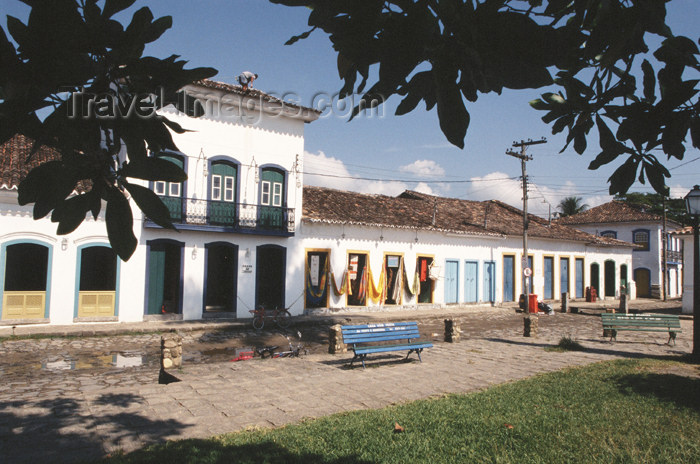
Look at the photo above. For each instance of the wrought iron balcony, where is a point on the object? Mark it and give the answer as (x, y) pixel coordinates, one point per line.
(674, 256)
(229, 216)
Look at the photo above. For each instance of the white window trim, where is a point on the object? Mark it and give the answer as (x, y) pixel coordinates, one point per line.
(276, 194)
(229, 190)
(216, 187)
(159, 188)
(265, 192)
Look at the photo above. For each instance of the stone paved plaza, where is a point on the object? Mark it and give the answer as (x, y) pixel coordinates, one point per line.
(56, 407)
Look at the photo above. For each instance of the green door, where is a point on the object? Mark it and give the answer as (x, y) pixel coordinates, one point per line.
(164, 278)
(222, 194)
(272, 204)
(156, 280)
(171, 192)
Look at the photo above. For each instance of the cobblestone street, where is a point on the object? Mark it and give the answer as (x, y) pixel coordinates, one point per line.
(83, 398)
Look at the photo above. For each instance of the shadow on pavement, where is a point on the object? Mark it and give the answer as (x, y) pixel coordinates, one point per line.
(195, 450)
(60, 431)
(610, 351)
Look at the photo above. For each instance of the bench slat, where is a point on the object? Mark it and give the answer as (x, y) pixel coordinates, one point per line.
(385, 348)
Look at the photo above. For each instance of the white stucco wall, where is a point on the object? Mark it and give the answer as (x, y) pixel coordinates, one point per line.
(377, 242)
(651, 259)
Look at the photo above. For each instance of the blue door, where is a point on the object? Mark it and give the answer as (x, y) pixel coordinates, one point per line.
(508, 281)
(490, 281)
(564, 275)
(471, 280)
(579, 278)
(451, 279)
(548, 277)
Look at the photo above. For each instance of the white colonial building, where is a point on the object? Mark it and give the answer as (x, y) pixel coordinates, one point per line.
(657, 249)
(250, 234)
(237, 215)
(418, 249)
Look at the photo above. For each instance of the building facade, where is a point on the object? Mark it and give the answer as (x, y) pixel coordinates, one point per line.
(658, 257)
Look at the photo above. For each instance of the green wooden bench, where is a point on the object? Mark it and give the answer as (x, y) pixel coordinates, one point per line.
(612, 323)
(373, 338)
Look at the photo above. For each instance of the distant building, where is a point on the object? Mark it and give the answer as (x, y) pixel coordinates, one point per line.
(617, 219)
(418, 249)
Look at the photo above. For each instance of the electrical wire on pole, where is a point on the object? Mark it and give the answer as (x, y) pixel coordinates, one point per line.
(523, 157)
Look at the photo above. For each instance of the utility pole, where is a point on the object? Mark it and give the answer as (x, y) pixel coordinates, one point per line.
(523, 157)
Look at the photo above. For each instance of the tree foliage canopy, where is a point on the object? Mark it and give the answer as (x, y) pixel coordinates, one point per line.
(86, 73)
(446, 52)
(570, 206)
(654, 203)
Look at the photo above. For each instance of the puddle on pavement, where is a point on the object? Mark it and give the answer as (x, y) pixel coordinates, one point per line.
(95, 362)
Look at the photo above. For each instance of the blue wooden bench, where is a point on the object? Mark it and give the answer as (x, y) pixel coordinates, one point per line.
(613, 322)
(376, 338)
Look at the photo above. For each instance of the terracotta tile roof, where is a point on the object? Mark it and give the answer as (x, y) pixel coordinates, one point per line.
(251, 92)
(687, 230)
(414, 210)
(612, 212)
(15, 162)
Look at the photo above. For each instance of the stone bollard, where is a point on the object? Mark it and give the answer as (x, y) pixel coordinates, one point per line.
(565, 302)
(530, 326)
(624, 308)
(170, 351)
(335, 340)
(608, 332)
(452, 331)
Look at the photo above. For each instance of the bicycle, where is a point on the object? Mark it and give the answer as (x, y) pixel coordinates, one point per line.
(282, 317)
(294, 351)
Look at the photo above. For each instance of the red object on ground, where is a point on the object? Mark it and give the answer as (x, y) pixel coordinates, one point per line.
(532, 303)
(243, 356)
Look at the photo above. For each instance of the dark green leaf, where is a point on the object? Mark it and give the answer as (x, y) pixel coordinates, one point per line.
(623, 177)
(115, 6)
(151, 205)
(656, 175)
(120, 222)
(154, 169)
(71, 212)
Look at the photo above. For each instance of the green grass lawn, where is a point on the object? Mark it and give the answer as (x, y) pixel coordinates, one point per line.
(624, 411)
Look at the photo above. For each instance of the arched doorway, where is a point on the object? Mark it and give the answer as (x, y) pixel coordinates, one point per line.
(595, 277)
(97, 288)
(642, 278)
(164, 278)
(26, 281)
(609, 277)
(221, 279)
(270, 276)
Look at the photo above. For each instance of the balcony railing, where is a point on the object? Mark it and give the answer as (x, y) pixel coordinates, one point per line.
(674, 256)
(230, 216)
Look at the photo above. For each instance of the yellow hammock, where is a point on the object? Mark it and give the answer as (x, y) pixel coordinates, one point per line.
(344, 285)
(377, 292)
(322, 284)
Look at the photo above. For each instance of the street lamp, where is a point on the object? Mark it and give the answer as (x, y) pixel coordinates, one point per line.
(692, 206)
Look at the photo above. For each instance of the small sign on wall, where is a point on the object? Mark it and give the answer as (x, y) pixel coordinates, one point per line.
(247, 268)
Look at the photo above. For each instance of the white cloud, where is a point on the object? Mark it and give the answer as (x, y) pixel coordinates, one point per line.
(541, 200)
(426, 168)
(422, 187)
(325, 171)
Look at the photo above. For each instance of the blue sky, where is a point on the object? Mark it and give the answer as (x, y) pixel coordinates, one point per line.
(237, 35)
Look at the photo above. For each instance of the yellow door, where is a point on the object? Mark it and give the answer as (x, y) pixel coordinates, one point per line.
(96, 304)
(23, 305)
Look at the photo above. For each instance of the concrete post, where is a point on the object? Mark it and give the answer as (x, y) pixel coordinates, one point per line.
(452, 331)
(335, 340)
(565, 302)
(530, 324)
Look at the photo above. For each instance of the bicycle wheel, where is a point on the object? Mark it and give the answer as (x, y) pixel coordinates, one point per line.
(283, 319)
(258, 322)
